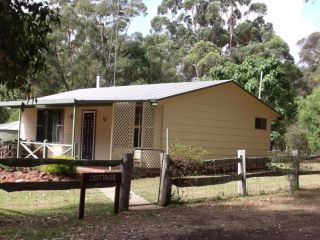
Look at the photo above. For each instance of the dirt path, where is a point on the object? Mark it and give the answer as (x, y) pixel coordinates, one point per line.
(135, 199)
(264, 217)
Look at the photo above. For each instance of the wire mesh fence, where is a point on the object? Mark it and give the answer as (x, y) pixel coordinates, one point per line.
(145, 184)
(54, 203)
(310, 180)
(28, 188)
(217, 181)
(262, 177)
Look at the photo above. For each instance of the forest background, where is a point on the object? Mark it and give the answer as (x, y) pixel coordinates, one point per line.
(61, 45)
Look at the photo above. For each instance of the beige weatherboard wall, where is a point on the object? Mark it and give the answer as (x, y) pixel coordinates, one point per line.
(220, 119)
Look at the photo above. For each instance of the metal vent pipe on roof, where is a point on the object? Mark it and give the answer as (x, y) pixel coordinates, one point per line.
(98, 81)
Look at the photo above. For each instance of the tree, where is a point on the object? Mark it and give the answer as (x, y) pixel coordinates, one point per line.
(110, 22)
(24, 25)
(310, 50)
(200, 59)
(4, 115)
(92, 39)
(163, 57)
(310, 59)
(132, 64)
(227, 24)
(309, 112)
(70, 63)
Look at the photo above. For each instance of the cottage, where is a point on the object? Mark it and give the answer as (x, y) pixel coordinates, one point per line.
(103, 123)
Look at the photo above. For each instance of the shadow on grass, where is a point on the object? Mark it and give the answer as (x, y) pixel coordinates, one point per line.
(275, 216)
(68, 210)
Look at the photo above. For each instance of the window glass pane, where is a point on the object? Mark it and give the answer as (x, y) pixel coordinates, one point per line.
(40, 136)
(40, 125)
(50, 125)
(59, 127)
(138, 127)
(137, 138)
(40, 120)
(261, 123)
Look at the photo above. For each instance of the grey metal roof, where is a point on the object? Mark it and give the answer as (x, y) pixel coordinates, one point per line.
(121, 93)
(107, 95)
(12, 126)
(134, 92)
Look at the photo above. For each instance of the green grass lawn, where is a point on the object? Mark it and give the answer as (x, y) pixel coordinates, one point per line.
(147, 188)
(48, 214)
(255, 186)
(45, 203)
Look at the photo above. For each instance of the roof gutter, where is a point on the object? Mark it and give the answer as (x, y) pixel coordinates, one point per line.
(26, 104)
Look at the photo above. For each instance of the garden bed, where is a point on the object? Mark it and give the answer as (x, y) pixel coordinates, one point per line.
(31, 175)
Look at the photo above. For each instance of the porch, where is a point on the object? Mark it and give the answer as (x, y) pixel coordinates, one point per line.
(88, 131)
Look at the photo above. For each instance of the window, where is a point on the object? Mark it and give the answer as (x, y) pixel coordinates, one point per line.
(261, 123)
(138, 127)
(50, 125)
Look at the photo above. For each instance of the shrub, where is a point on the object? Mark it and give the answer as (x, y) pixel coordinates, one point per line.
(59, 168)
(186, 159)
(290, 163)
(296, 139)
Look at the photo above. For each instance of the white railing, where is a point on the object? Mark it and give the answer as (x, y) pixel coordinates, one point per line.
(48, 149)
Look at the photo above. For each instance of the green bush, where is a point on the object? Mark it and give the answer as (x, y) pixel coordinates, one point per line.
(59, 168)
(296, 139)
(309, 118)
(186, 159)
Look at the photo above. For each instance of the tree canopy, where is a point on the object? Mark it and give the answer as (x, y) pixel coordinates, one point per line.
(309, 118)
(24, 27)
(190, 40)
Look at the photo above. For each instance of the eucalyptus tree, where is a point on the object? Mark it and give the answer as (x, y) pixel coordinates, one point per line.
(227, 24)
(200, 59)
(310, 59)
(132, 63)
(163, 57)
(88, 42)
(111, 20)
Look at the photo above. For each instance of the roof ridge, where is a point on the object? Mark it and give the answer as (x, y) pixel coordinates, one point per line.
(153, 84)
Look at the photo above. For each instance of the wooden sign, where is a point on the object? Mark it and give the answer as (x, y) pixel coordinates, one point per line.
(99, 180)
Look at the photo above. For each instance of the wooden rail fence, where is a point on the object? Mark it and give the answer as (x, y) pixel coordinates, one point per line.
(125, 165)
(240, 174)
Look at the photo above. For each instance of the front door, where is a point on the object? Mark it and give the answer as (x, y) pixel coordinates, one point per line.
(88, 129)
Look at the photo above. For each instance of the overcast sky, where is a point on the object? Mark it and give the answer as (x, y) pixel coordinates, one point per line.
(292, 19)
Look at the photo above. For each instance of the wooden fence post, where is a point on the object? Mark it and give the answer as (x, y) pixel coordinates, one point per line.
(126, 169)
(242, 184)
(294, 178)
(165, 186)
